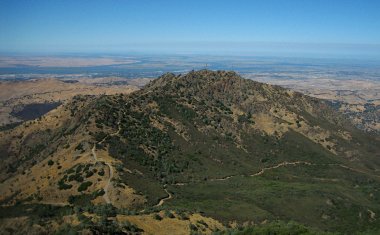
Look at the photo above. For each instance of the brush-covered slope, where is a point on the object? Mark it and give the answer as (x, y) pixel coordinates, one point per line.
(209, 142)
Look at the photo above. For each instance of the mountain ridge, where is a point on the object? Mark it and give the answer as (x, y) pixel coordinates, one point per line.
(195, 137)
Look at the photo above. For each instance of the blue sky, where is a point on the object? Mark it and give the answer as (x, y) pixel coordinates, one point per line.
(272, 27)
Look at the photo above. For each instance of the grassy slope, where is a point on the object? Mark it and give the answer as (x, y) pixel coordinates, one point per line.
(185, 132)
(211, 144)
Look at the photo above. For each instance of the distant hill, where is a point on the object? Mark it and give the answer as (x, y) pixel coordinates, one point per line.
(197, 152)
(30, 99)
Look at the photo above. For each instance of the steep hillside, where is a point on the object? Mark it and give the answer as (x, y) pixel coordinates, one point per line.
(205, 142)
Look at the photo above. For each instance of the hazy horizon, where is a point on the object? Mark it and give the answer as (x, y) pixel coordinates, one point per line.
(318, 29)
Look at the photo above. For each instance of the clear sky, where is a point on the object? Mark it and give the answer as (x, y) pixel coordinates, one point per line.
(252, 27)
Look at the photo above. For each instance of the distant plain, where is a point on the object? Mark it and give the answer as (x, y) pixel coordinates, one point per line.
(352, 85)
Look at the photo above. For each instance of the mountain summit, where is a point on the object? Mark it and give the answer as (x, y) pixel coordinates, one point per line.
(206, 141)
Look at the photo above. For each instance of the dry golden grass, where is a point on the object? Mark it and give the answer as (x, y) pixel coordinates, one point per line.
(179, 128)
(172, 226)
(279, 121)
(268, 125)
(41, 180)
(355, 93)
(20, 93)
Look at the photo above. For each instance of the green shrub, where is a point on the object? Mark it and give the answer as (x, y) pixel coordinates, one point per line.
(89, 174)
(193, 227)
(169, 214)
(101, 172)
(157, 217)
(63, 186)
(98, 193)
(84, 186)
(131, 228)
(76, 177)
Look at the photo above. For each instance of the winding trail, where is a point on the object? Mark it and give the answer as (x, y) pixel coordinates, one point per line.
(281, 165)
(162, 201)
(224, 178)
(169, 195)
(105, 196)
(110, 167)
(262, 171)
(56, 203)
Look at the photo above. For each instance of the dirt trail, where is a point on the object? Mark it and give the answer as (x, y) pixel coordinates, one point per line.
(162, 201)
(265, 169)
(105, 196)
(93, 150)
(256, 174)
(224, 178)
(56, 203)
(280, 165)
